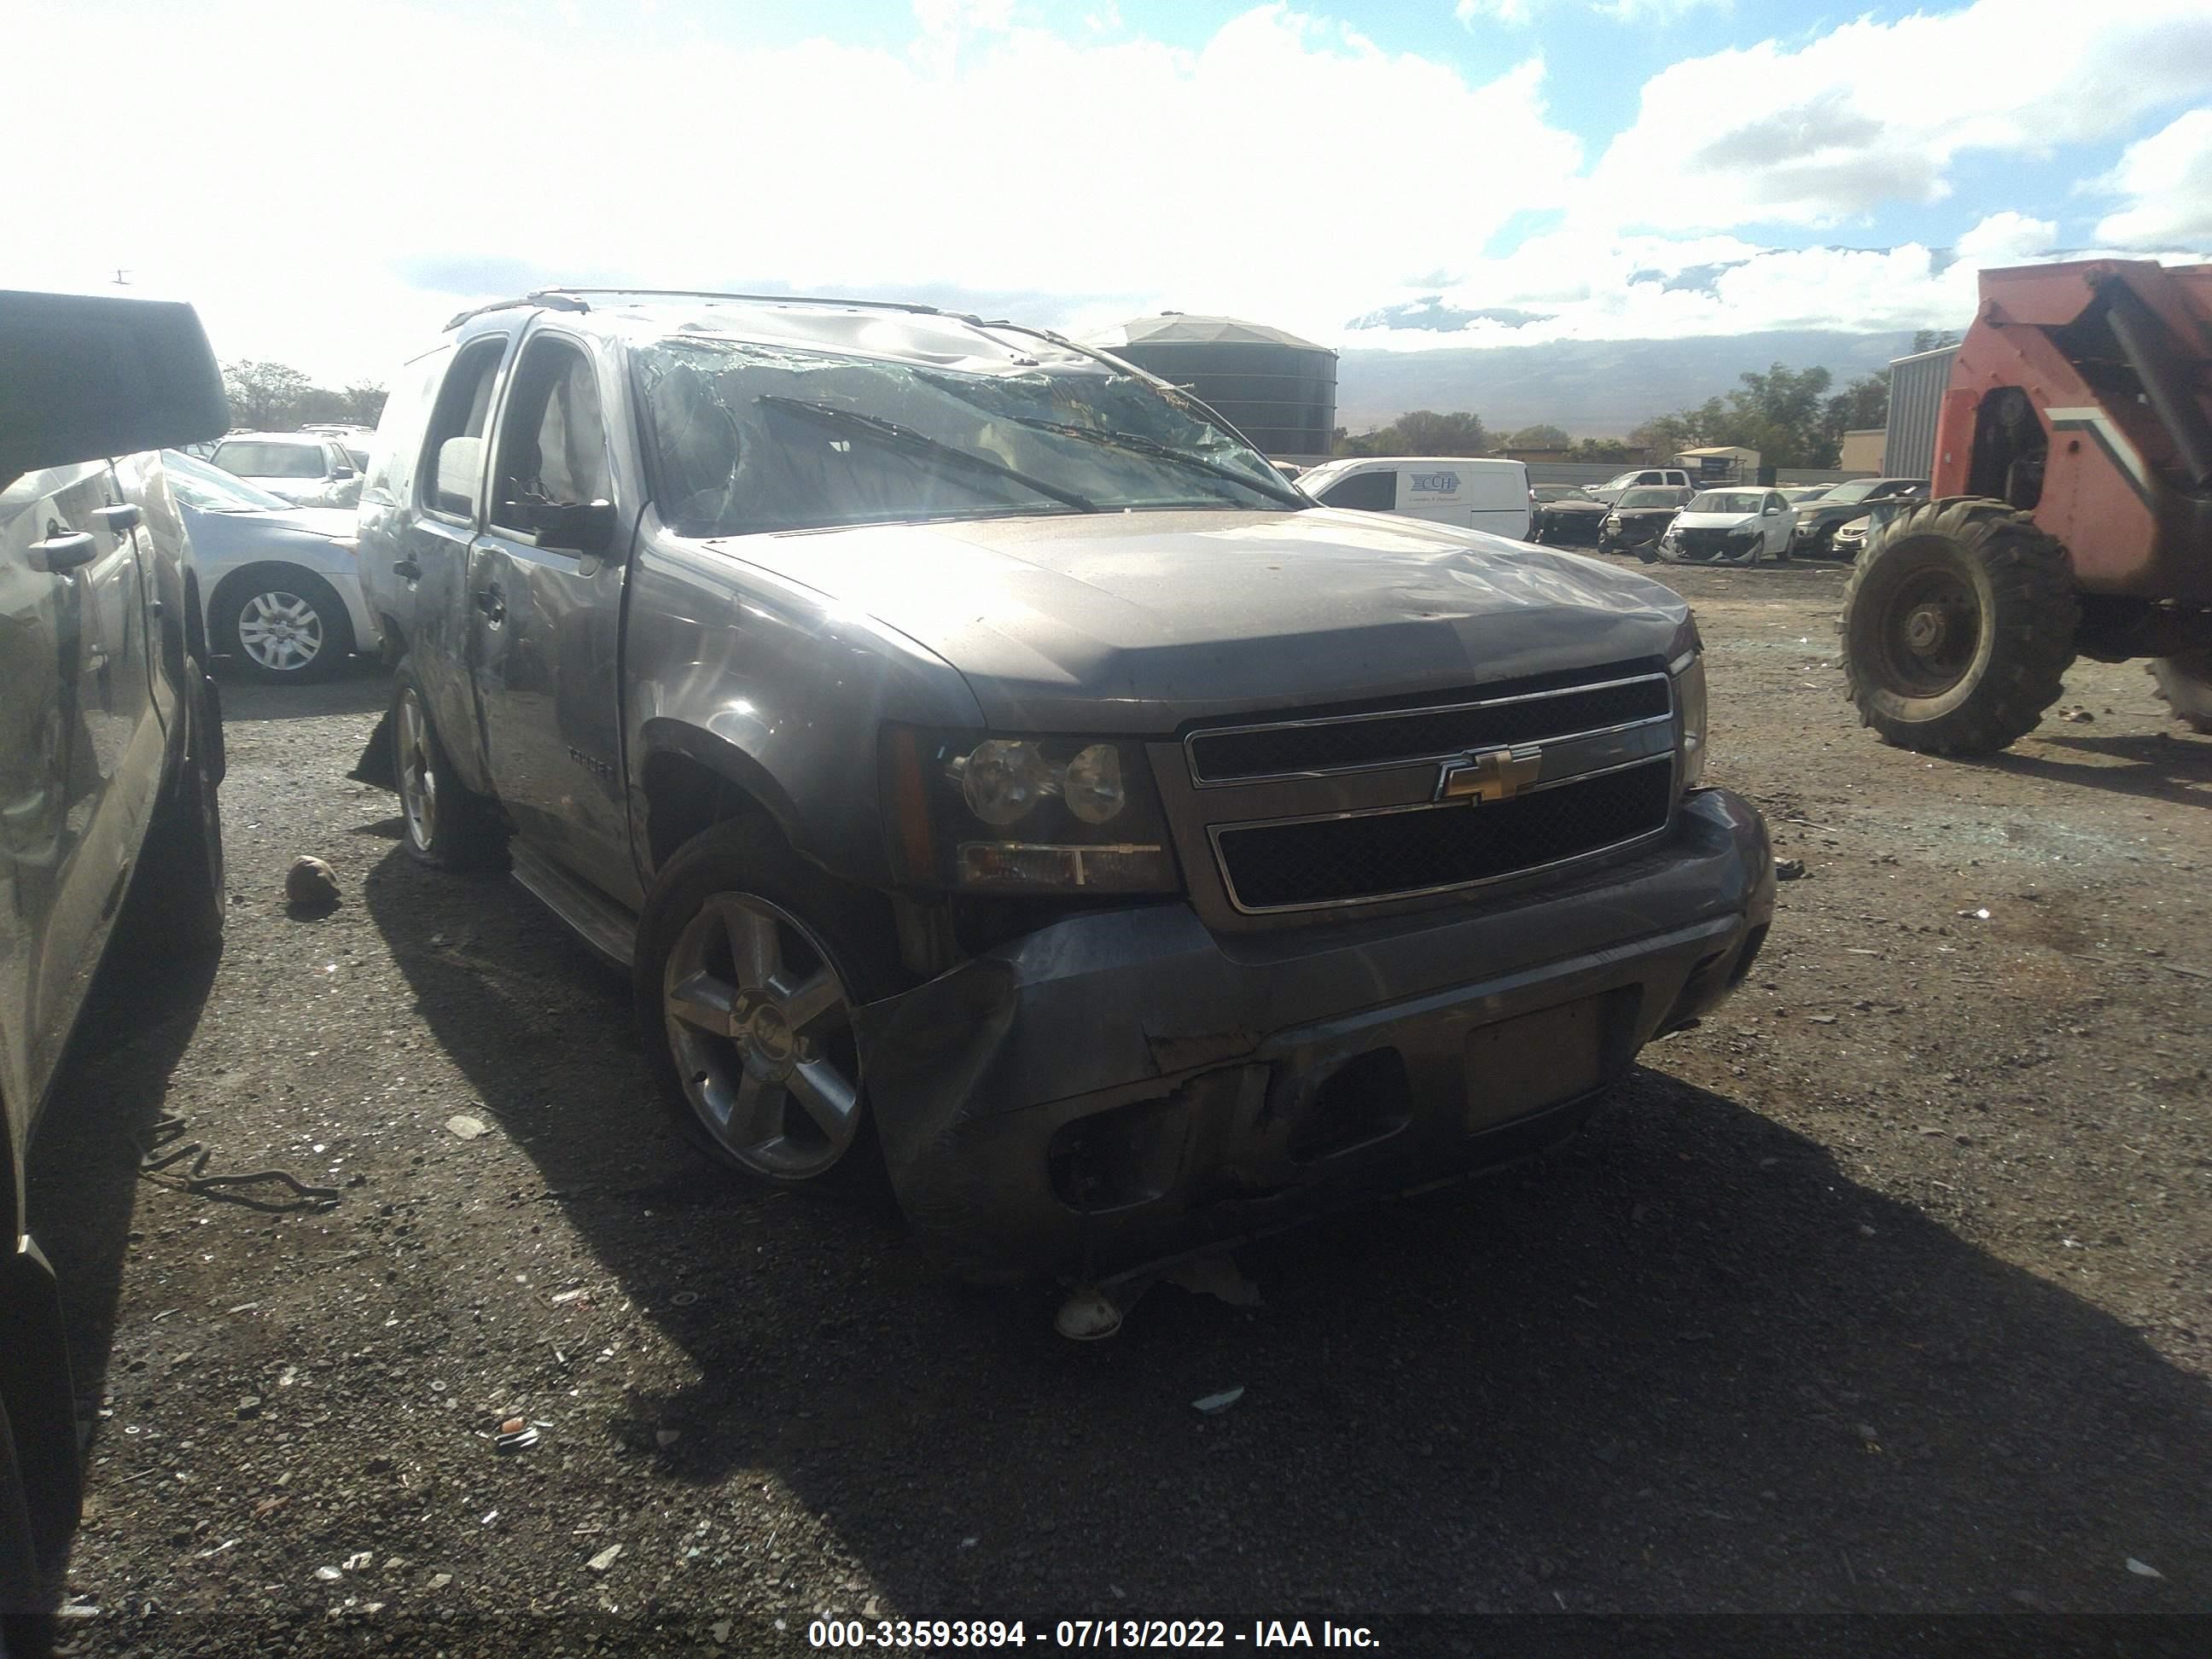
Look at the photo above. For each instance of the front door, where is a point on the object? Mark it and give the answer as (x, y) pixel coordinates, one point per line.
(549, 620)
(80, 741)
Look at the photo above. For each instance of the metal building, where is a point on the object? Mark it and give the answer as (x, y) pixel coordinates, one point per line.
(1278, 390)
(1917, 385)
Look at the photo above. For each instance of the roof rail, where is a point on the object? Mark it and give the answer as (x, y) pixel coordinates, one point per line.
(545, 298)
(554, 295)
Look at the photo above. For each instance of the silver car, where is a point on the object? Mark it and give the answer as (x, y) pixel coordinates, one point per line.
(306, 469)
(280, 584)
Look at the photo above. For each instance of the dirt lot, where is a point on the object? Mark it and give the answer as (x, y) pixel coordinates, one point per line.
(1885, 1290)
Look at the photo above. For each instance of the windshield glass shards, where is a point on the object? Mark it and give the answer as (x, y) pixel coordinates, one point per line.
(752, 439)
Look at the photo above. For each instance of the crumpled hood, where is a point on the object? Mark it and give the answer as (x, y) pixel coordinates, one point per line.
(1714, 520)
(1135, 623)
(332, 522)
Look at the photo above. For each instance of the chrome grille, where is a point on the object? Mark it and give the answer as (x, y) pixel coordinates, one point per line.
(1402, 852)
(1393, 738)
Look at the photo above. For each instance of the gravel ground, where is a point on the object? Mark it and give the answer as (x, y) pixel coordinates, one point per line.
(1884, 1291)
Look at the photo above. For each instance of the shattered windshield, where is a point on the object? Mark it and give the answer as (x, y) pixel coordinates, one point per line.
(754, 438)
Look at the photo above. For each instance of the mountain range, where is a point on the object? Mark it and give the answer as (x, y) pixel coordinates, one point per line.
(1593, 388)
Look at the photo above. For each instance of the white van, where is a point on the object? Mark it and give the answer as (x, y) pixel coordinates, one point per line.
(1476, 494)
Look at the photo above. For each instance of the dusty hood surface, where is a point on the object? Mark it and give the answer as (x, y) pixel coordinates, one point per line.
(1138, 622)
(1716, 520)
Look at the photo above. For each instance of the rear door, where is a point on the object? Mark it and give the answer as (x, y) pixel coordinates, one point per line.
(547, 621)
(432, 547)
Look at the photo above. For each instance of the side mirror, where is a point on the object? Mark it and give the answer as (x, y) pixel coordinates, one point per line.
(342, 472)
(86, 377)
(584, 528)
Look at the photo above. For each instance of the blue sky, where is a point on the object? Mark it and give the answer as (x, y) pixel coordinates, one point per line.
(1440, 172)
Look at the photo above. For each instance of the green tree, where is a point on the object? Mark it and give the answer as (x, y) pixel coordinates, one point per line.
(1863, 404)
(364, 402)
(1604, 449)
(264, 395)
(1933, 339)
(1540, 437)
(1420, 432)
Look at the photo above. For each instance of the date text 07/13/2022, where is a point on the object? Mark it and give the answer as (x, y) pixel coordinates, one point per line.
(995, 1635)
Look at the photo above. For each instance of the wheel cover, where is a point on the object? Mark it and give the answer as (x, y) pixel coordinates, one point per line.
(418, 778)
(760, 1026)
(281, 631)
(1927, 633)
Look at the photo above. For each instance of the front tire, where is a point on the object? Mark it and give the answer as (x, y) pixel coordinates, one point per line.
(2185, 685)
(443, 823)
(1958, 627)
(749, 963)
(281, 624)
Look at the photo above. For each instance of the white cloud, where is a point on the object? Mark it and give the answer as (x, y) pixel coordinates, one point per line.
(1069, 179)
(2167, 179)
(1518, 13)
(1653, 11)
(1871, 113)
(492, 156)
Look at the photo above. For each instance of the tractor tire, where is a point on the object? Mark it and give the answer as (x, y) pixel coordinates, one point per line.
(2185, 685)
(1958, 627)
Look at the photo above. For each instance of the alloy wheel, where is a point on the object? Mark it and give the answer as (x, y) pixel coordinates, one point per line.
(281, 631)
(760, 1025)
(418, 775)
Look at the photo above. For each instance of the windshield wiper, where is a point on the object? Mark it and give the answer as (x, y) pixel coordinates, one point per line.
(1136, 443)
(892, 435)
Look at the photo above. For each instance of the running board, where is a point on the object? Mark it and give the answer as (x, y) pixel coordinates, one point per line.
(599, 921)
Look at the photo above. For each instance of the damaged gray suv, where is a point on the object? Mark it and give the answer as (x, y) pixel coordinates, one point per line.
(994, 774)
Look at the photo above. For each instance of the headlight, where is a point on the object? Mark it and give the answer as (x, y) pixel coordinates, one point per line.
(1087, 818)
(1687, 668)
(1612, 521)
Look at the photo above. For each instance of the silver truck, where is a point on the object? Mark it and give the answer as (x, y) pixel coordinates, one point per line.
(996, 775)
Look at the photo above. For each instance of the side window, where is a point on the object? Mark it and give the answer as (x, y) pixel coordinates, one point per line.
(395, 452)
(553, 442)
(1373, 492)
(1774, 503)
(453, 449)
(1651, 477)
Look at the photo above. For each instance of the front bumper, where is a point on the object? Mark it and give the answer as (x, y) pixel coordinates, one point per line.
(1120, 1087)
(1734, 550)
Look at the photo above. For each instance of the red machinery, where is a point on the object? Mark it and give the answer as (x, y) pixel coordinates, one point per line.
(2070, 512)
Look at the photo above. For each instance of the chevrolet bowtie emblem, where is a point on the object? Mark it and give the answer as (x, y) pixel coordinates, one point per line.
(1490, 774)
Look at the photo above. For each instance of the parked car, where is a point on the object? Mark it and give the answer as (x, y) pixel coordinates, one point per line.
(1848, 540)
(1729, 526)
(1474, 494)
(1566, 517)
(111, 754)
(282, 587)
(1635, 522)
(992, 772)
(306, 470)
(1818, 521)
(1644, 478)
(1798, 495)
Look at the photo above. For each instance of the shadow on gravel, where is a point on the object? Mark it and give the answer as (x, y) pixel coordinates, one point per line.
(1685, 1363)
(2173, 768)
(83, 1174)
(362, 686)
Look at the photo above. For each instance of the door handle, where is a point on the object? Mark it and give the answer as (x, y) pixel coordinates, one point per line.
(57, 555)
(492, 601)
(408, 569)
